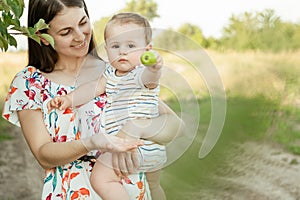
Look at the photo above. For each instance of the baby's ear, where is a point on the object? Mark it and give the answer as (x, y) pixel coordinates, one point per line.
(43, 40)
(149, 47)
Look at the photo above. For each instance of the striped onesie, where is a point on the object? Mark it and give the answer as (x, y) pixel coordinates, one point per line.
(128, 98)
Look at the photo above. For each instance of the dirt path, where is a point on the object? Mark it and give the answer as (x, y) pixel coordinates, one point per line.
(258, 172)
(20, 174)
(254, 171)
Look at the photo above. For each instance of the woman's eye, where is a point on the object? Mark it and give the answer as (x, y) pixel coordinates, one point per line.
(83, 23)
(64, 33)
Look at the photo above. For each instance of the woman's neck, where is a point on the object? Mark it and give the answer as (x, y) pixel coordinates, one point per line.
(70, 66)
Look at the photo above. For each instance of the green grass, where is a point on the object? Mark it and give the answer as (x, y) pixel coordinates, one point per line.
(247, 119)
(286, 126)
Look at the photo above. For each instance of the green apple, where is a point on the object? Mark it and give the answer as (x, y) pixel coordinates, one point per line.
(148, 58)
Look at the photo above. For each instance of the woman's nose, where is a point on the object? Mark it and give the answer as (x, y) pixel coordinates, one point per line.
(78, 35)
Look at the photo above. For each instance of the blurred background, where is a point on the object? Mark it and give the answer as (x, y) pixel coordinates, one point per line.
(254, 47)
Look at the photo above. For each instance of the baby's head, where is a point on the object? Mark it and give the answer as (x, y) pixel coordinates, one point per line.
(126, 18)
(127, 36)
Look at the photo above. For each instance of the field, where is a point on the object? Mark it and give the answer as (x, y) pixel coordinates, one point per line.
(257, 154)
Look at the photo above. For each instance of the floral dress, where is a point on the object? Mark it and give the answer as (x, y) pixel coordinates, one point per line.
(31, 90)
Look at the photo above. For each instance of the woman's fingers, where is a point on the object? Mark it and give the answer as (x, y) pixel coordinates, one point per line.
(125, 163)
(120, 162)
(116, 144)
(115, 164)
(123, 160)
(135, 160)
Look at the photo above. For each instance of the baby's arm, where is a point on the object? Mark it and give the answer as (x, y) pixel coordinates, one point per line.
(151, 74)
(81, 95)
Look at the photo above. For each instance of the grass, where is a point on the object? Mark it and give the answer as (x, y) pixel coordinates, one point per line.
(263, 95)
(248, 119)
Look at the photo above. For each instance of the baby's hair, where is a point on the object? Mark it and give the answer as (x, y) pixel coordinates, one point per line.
(134, 18)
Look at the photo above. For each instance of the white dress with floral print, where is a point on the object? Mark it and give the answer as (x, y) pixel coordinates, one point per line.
(31, 90)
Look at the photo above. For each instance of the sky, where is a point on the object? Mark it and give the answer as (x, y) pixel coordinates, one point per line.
(210, 16)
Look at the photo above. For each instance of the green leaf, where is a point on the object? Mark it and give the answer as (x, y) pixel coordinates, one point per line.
(20, 8)
(31, 31)
(3, 28)
(24, 30)
(3, 43)
(4, 6)
(40, 25)
(35, 38)
(15, 22)
(15, 7)
(12, 41)
(49, 38)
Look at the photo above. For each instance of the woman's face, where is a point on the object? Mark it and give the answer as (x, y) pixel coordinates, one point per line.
(71, 30)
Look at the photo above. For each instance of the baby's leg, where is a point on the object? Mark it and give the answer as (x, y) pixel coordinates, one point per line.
(152, 158)
(104, 180)
(157, 192)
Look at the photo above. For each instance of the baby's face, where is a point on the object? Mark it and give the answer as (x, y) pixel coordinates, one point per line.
(124, 46)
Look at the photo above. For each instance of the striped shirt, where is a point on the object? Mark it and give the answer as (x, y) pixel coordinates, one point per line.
(127, 98)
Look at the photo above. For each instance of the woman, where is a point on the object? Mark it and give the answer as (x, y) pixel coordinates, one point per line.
(55, 138)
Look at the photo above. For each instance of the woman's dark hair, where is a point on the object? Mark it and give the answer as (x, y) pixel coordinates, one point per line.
(44, 57)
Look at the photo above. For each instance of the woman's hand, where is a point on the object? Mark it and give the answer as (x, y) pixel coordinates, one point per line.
(125, 163)
(110, 143)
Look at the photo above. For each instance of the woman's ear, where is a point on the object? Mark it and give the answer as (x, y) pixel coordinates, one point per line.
(43, 40)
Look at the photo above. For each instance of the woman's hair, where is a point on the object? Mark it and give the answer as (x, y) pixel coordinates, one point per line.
(134, 18)
(42, 56)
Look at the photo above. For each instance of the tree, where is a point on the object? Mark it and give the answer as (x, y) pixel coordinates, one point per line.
(147, 8)
(194, 33)
(11, 12)
(241, 33)
(99, 29)
(261, 30)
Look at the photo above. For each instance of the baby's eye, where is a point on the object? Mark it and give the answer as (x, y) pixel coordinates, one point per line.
(131, 46)
(115, 46)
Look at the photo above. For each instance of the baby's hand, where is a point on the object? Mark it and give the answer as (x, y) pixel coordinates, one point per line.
(152, 60)
(60, 102)
(159, 62)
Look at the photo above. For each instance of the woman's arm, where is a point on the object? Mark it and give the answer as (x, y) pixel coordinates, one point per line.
(50, 154)
(162, 129)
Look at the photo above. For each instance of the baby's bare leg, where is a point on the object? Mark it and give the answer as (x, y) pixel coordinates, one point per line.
(157, 192)
(104, 180)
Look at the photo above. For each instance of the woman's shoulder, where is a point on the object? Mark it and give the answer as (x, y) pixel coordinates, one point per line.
(94, 61)
(28, 73)
(28, 70)
(93, 67)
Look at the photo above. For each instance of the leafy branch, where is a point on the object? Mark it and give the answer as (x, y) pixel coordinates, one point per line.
(11, 12)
